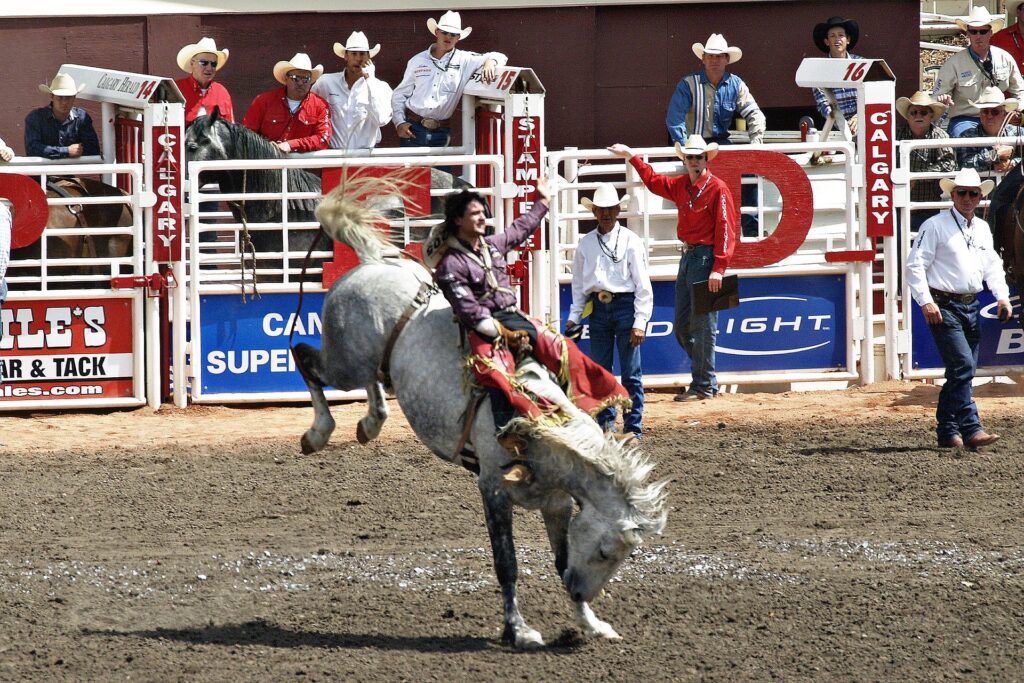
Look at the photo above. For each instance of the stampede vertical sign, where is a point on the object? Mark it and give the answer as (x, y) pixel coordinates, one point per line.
(167, 221)
(526, 170)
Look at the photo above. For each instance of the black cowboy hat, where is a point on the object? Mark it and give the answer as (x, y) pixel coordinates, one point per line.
(821, 32)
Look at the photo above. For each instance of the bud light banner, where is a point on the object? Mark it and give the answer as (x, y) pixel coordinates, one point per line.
(244, 347)
(782, 323)
(1002, 344)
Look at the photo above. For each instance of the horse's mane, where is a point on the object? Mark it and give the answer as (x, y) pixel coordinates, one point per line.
(621, 461)
(248, 144)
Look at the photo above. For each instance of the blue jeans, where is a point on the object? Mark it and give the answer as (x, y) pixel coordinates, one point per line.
(438, 137)
(957, 338)
(610, 327)
(696, 333)
(958, 124)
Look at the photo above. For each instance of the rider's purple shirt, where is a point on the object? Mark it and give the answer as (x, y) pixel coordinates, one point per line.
(463, 281)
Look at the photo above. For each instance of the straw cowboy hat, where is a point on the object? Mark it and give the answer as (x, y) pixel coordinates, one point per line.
(921, 98)
(61, 86)
(186, 54)
(695, 145)
(966, 177)
(849, 25)
(993, 97)
(356, 42)
(450, 22)
(716, 45)
(979, 17)
(301, 62)
(605, 196)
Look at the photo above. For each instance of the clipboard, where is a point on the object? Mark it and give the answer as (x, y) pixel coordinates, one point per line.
(704, 301)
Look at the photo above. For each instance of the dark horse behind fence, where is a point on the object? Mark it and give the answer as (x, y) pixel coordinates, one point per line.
(211, 138)
(1008, 232)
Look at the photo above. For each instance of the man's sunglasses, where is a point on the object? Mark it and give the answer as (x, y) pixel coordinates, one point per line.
(923, 111)
(207, 62)
(694, 157)
(978, 31)
(973, 194)
(300, 79)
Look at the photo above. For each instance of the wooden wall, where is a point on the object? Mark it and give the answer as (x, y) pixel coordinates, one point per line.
(609, 71)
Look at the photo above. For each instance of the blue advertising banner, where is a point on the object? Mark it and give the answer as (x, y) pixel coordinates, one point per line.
(795, 322)
(245, 346)
(1001, 343)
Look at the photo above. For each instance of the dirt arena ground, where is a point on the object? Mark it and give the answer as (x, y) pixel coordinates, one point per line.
(811, 536)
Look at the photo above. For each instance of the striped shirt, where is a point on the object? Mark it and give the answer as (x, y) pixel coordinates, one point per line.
(698, 107)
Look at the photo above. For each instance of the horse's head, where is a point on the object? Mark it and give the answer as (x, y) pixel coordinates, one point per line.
(598, 544)
(209, 138)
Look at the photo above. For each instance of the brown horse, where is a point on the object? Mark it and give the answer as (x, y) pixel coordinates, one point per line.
(84, 244)
(1009, 238)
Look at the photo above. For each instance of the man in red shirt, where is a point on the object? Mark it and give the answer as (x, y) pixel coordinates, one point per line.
(1010, 38)
(293, 117)
(708, 229)
(201, 61)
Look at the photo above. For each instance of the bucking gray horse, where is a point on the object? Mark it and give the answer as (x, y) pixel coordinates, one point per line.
(572, 465)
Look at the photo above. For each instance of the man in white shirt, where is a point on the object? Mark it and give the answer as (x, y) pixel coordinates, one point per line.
(951, 261)
(434, 80)
(360, 102)
(609, 275)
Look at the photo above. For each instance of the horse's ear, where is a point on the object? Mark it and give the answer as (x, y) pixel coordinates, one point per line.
(215, 114)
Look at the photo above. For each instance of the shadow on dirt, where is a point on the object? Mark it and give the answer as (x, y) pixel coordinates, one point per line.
(261, 633)
(865, 450)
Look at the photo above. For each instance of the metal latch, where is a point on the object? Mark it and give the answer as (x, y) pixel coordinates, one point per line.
(155, 283)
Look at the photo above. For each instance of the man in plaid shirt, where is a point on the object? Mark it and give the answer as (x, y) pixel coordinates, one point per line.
(920, 112)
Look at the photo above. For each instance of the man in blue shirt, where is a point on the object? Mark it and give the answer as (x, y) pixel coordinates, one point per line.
(705, 101)
(60, 130)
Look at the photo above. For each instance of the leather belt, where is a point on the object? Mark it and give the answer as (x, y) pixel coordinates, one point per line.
(426, 121)
(687, 247)
(946, 297)
(608, 297)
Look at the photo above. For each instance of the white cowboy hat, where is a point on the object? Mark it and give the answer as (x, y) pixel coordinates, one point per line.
(450, 22)
(356, 42)
(992, 98)
(695, 145)
(605, 196)
(921, 98)
(186, 54)
(966, 177)
(61, 86)
(979, 17)
(716, 45)
(301, 62)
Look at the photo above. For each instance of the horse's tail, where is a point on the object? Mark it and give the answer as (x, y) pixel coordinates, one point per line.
(351, 212)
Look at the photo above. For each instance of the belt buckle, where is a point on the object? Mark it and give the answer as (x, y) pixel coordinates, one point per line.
(430, 124)
(605, 297)
(685, 246)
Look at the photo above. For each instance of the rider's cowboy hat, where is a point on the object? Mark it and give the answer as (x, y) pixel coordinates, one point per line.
(61, 86)
(821, 32)
(300, 62)
(966, 177)
(993, 97)
(921, 98)
(186, 54)
(695, 145)
(716, 45)
(979, 17)
(450, 22)
(605, 196)
(356, 42)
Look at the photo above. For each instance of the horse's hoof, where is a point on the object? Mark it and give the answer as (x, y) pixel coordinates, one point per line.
(519, 473)
(307, 446)
(361, 435)
(528, 639)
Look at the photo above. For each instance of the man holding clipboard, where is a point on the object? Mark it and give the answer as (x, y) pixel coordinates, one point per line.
(708, 228)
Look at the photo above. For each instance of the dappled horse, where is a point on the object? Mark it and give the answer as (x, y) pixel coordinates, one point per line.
(82, 243)
(212, 138)
(384, 324)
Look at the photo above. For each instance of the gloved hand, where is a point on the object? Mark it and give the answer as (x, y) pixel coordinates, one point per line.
(517, 341)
